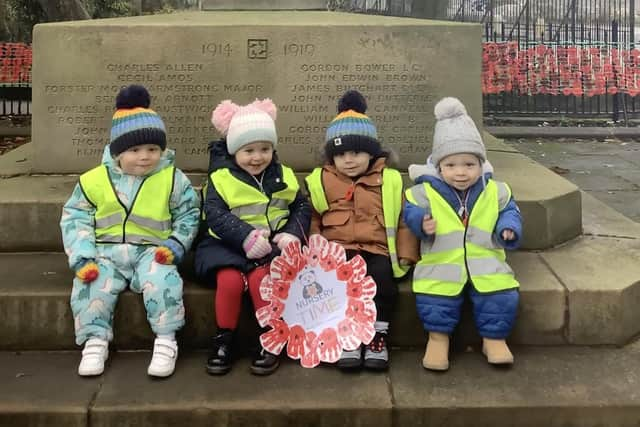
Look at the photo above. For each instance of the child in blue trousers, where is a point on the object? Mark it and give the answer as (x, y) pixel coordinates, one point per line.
(128, 223)
(464, 219)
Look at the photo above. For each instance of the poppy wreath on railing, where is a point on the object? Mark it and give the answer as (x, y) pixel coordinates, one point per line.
(15, 63)
(319, 302)
(559, 70)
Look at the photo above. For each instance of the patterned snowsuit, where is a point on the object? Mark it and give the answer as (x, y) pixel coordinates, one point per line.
(125, 264)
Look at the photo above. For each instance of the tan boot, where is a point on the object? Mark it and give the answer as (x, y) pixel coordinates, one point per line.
(497, 352)
(436, 356)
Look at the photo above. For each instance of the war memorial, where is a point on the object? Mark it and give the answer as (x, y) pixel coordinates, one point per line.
(578, 266)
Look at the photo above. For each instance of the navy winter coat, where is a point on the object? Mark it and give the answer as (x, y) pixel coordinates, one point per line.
(213, 254)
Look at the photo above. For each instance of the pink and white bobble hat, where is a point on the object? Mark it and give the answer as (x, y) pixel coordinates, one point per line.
(245, 124)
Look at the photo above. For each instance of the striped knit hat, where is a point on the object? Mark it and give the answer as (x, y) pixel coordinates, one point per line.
(243, 125)
(351, 129)
(134, 123)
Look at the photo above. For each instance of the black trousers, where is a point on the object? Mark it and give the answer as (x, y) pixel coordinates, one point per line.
(379, 268)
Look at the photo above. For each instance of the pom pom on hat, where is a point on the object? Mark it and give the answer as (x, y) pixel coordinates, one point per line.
(351, 129)
(448, 108)
(222, 115)
(455, 132)
(134, 123)
(267, 106)
(133, 96)
(243, 125)
(352, 100)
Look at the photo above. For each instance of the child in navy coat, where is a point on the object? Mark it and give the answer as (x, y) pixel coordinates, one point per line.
(253, 208)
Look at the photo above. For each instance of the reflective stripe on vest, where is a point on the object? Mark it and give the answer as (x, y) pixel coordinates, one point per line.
(456, 251)
(253, 206)
(148, 220)
(391, 208)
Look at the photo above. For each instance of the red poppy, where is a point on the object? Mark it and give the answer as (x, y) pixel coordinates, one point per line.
(295, 346)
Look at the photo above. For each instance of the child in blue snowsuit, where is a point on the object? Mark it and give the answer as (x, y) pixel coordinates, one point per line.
(464, 219)
(128, 223)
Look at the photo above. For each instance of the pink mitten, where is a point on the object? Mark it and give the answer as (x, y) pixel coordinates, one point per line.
(283, 239)
(255, 245)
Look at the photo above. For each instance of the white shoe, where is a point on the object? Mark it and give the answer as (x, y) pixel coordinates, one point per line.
(165, 354)
(95, 353)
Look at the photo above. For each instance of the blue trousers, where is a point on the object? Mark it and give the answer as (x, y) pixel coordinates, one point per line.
(494, 313)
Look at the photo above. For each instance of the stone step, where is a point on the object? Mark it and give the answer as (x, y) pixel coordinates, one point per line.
(548, 386)
(550, 208)
(583, 292)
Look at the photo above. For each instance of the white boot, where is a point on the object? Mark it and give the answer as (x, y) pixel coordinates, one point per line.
(95, 353)
(163, 361)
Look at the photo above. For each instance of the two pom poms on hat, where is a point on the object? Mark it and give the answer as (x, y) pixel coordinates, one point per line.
(226, 110)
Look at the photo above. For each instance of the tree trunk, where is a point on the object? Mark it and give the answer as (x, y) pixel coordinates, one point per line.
(63, 10)
(151, 5)
(136, 7)
(4, 28)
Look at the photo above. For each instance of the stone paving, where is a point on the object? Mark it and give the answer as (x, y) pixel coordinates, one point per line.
(608, 169)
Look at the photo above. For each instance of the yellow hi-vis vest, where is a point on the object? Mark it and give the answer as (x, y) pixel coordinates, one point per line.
(391, 208)
(253, 206)
(458, 252)
(148, 220)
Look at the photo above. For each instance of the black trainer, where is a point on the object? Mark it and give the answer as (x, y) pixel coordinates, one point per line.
(350, 359)
(264, 363)
(219, 361)
(376, 354)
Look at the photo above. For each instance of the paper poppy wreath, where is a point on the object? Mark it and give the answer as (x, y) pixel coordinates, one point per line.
(319, 303)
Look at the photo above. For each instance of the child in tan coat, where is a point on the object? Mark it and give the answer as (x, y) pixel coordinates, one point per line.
(357, 201)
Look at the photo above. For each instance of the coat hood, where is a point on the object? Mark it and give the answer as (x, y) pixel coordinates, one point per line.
(429, 171)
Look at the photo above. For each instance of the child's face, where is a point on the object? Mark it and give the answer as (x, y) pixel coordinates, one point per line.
(460, 171)
(255, 157)
(352, 163)
(140, 159)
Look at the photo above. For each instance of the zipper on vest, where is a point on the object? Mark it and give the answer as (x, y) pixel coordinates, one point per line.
(261, 189)
(128, 211)
(465, 222)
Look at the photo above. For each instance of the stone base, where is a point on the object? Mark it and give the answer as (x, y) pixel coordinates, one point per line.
(566, 298)
(550, 205)
(551, 387)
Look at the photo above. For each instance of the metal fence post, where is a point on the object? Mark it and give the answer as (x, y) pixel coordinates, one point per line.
(614, 43)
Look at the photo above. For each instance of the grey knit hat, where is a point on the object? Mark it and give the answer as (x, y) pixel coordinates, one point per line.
(455, 132)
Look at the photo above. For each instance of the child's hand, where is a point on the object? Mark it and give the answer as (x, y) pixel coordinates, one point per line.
(88, 271)
(255, 245)
(428, 225)
(283, 239)
(169, 252)
(508, 235)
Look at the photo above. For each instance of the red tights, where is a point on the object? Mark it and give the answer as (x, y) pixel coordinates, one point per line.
(230, 286)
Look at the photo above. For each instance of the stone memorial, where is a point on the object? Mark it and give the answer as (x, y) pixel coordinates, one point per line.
(304, 61)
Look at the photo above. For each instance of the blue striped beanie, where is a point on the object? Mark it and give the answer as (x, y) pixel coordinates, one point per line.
(134, 123)
(351, 129)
